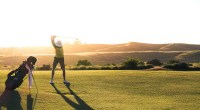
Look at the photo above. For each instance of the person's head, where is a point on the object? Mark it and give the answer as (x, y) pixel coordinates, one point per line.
(31, 60)
(58, 43)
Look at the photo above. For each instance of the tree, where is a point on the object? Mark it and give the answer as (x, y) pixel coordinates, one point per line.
(131, 63)
(84, 63)
(155, 62)
(173, 62)
(176, 65)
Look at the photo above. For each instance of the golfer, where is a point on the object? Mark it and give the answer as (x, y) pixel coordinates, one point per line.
(59, 58)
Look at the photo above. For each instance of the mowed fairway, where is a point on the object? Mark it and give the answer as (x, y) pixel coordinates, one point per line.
(107, 90)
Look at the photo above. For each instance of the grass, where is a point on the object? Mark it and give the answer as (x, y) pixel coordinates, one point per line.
(107, 90)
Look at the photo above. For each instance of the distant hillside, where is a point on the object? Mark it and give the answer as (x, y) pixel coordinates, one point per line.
(132, 46)
(96, 59)
(190, 56)
(180, 47)
(104, 53)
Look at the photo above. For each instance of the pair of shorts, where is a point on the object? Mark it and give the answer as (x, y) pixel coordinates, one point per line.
(60, 61)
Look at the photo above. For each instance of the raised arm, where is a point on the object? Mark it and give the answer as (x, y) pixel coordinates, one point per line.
(53, 40)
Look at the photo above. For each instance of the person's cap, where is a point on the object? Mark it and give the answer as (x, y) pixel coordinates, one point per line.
(58, 43)
(32, 59)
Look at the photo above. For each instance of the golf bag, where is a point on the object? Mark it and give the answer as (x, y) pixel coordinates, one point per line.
(14, 81)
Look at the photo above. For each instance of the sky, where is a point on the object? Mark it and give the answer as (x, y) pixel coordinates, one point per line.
(32, 22)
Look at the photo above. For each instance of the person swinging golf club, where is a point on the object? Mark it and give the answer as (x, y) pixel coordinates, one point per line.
(59, 58)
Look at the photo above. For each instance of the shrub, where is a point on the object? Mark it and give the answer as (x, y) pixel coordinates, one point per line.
(82, 68)
(79, 68)
(131, 63)
(84, 63)
(177, 66)
(113, 64)
(145, 66)
(93, 68)
(115, 68)
(173, 62)
(155, 62)
(44, 67)
(106, 68)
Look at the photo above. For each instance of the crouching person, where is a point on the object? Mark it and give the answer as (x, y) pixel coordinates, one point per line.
(16, 77)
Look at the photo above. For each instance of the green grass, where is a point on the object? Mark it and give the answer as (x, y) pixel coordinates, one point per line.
(107, 90)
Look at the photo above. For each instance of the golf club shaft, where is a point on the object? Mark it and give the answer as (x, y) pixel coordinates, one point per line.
(35, 83)
(36, 93)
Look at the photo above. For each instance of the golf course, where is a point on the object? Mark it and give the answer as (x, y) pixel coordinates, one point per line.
(106, 90)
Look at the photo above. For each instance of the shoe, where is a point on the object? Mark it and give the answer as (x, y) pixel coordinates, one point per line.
(51, 82)
(66, 82)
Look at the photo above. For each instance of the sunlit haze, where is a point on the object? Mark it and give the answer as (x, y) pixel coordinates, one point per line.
(32, 22)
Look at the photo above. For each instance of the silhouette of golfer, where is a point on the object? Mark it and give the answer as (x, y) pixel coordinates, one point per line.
(59, 58)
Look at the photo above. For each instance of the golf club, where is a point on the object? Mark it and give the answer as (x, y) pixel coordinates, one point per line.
(36, 93)
(35, 83)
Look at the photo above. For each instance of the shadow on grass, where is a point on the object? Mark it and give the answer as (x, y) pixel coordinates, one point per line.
(81, 104)
(11, 100)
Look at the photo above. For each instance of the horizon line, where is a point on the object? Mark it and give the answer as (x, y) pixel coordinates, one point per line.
(99, 44)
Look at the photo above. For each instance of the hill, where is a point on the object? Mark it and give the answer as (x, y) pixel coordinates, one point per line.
(104, 53)
(131, 46)
(190, 56)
